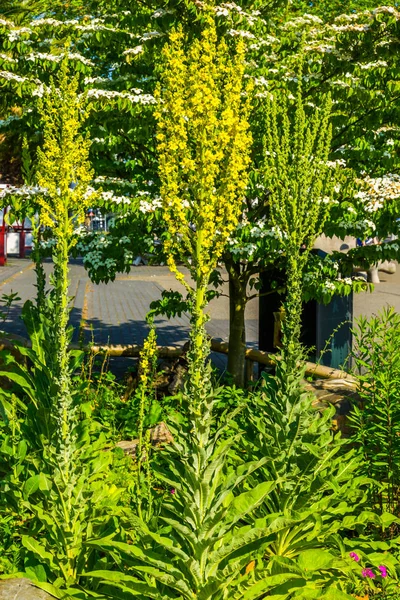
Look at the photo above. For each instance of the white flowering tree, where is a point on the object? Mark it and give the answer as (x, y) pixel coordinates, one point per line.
(353, 59)
(351, 56)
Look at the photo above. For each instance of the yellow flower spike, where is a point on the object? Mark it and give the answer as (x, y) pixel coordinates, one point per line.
(204, 153)
(63, 169)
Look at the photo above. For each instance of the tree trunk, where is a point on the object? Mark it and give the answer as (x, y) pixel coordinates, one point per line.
(237, 331)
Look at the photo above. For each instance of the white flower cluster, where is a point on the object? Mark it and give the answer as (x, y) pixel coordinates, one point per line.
(90, 191)
(49, 21)
(7, 58)
(302, 21)
(148, 204)
(348, 18)
(149, 35)
(373, 65)
(90, 80)
(379, 190)
(340, 83)
(93, 251)
(25, 191)
(103, 241)
(15, 34)
(247, 250)
(362, 226)
(134, 51)
(8, 76)
(241, 33)
(94, 27)
(112, 95)
(339, 162)
(261, 81)
(329, 286)
(80, 58)
(160, 12)
(351, 27)
(385, 128)
(320, 47)
(33, 56)
(258, 231)
(387, 9)
(41, 90)
(110, 197)
(225, 10)
(46, 244)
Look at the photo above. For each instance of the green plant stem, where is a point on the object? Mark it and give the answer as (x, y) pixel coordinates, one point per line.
(39, 269)
(199, 350)
(139, 454)
(65, 411)
(237, 330)
(293, 311)
(61, 316)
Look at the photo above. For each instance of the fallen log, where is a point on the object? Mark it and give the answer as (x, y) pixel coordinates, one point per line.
(134, 350)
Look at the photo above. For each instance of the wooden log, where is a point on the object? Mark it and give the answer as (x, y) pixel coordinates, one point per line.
(132, 350)
(265, 358)
(252, 355)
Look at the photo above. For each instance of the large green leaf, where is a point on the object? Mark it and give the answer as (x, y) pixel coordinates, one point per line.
(267, 584)
(34, 546)
(314, 560)
(246, 502)
(138, 587)
(31, 485)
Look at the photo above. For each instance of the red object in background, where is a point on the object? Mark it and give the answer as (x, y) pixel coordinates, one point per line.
(3, 240)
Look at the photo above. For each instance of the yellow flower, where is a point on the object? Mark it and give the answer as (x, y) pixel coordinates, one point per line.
(203, 145)
(63, 168)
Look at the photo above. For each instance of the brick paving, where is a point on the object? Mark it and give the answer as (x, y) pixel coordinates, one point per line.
(115, 312)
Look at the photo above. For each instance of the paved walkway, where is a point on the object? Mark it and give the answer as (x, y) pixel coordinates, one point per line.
(115, 312)
(386, 293)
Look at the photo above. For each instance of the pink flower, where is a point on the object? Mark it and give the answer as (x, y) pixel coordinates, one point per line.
(383, 570)
(172, 491)
(354, 556)
(368, 573)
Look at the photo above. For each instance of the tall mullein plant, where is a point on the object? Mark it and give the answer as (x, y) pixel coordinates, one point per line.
(302, 186)
(203, 146)
(199, 549)
(63, 170)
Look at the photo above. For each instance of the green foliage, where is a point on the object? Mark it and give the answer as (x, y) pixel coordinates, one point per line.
(57, 472)
(10, 547)
(376, 418)
(320, 490)
(259, 504)
(52, 515)
(7, 301)
(302, 187)
(264, 502)
(200, 546)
